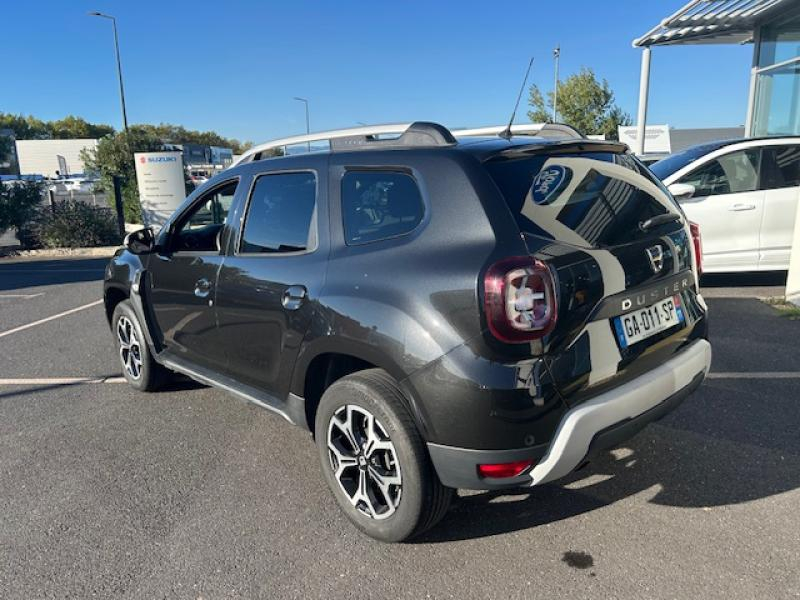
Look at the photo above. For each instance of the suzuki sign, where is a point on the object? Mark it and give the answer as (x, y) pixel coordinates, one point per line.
(159, 176)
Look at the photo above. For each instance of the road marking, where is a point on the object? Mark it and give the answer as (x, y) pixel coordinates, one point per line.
(756, 375)
(51, 318)
(21, 295)
(95, 270)
(60, 380)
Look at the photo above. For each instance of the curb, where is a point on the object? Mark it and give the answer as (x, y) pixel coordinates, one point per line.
(58, 252)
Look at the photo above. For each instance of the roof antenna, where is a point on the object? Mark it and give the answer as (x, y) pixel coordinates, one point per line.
(506, 133)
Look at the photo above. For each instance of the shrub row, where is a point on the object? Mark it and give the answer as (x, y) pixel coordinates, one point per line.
(70, 225)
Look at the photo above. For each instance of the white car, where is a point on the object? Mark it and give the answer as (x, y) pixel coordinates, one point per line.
(77, 184)
(743, 194)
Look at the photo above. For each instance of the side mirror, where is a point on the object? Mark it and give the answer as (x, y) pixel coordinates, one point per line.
(142, 241)
(681, 191)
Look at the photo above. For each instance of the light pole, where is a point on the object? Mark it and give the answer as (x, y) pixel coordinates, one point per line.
(119, 66)
(308, 126)
(556, 56)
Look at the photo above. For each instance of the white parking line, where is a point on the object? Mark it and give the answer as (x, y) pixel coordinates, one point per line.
(51, 318)
(60, 380)
(756, 375)
(95, 270)
(21, 295)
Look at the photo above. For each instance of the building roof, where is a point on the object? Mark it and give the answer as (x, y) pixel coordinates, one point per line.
(713, 22)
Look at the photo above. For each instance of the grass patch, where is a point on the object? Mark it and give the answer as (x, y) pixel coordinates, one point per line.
(786, 309)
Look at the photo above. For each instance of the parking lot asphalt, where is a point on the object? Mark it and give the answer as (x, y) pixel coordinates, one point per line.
(189, 493)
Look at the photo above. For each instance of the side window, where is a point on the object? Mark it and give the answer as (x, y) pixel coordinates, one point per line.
(377, 205)
(780, 167)
(728, 174)
(199, 230)
(280, 214)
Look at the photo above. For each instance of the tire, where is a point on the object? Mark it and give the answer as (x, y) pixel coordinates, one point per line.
(380, 472)
(141, 371)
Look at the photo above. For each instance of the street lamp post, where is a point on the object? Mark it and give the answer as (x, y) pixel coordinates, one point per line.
(308, 123)
(119, 65)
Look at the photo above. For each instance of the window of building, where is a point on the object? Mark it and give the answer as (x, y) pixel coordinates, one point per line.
(779, 41)
(734, 172)
(280, 214)
(378, 205)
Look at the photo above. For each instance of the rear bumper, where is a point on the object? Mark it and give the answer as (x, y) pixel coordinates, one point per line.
(604, 421)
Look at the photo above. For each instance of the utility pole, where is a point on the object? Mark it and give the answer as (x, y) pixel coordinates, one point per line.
(308, 125)
(119, 66)
(556, 56)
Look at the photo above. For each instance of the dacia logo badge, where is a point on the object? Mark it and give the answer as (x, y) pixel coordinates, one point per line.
(548, 182)
(656, 256)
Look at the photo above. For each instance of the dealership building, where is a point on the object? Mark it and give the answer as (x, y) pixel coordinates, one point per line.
(771, 26)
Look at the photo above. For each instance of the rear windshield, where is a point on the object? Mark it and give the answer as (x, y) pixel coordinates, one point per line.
(587, 199)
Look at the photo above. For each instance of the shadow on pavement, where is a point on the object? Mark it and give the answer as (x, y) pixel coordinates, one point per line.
(738, 280)
(178, 384)
(721, 447)
(32, 273)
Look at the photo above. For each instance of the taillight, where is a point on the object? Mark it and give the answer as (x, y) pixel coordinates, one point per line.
(697, 240)
(519, 299)
(503, 470)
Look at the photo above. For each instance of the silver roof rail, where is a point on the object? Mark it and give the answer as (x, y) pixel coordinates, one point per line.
(415, 134)
(323, 136)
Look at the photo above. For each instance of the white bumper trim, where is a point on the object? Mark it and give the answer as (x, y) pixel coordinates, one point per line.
(580, 424)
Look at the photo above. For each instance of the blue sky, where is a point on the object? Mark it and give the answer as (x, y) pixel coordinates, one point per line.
(235, 66)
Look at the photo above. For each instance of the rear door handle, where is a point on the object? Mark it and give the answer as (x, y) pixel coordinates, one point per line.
(740, 207)
(202, 288)
(293, 297)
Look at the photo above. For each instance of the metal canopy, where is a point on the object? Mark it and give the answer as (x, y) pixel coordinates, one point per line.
(712, 22)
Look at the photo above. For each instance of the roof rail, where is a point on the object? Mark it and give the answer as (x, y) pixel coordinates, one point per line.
(546, 130)
(419, 133)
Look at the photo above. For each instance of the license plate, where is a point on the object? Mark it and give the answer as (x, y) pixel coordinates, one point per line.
(646, 322)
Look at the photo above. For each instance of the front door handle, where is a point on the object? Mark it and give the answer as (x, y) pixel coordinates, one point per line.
(293, 297)
(202, 288)
(740, 207)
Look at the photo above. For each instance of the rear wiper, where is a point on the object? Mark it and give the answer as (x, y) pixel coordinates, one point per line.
(658, 220)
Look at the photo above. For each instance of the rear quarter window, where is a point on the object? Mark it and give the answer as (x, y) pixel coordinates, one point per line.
(379, 205)
(587, 199)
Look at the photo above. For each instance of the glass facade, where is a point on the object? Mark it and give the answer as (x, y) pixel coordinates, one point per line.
(777, 94)
(780, 41)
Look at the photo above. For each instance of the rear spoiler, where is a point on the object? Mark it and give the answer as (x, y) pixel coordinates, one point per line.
(561, 147)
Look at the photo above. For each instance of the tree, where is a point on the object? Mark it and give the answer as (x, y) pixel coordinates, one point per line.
(583, 102)
(71, 127)
(177, 134)
(114, 156)
(31, 128)
(24, 128)
(18, 203)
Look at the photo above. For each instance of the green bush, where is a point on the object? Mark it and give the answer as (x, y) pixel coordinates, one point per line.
(18, 203)
(70, 225)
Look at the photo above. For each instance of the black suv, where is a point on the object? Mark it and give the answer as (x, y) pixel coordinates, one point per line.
(440, 313)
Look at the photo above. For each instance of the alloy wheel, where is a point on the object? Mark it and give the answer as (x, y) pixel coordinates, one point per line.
(364, 461)
(130, 351)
